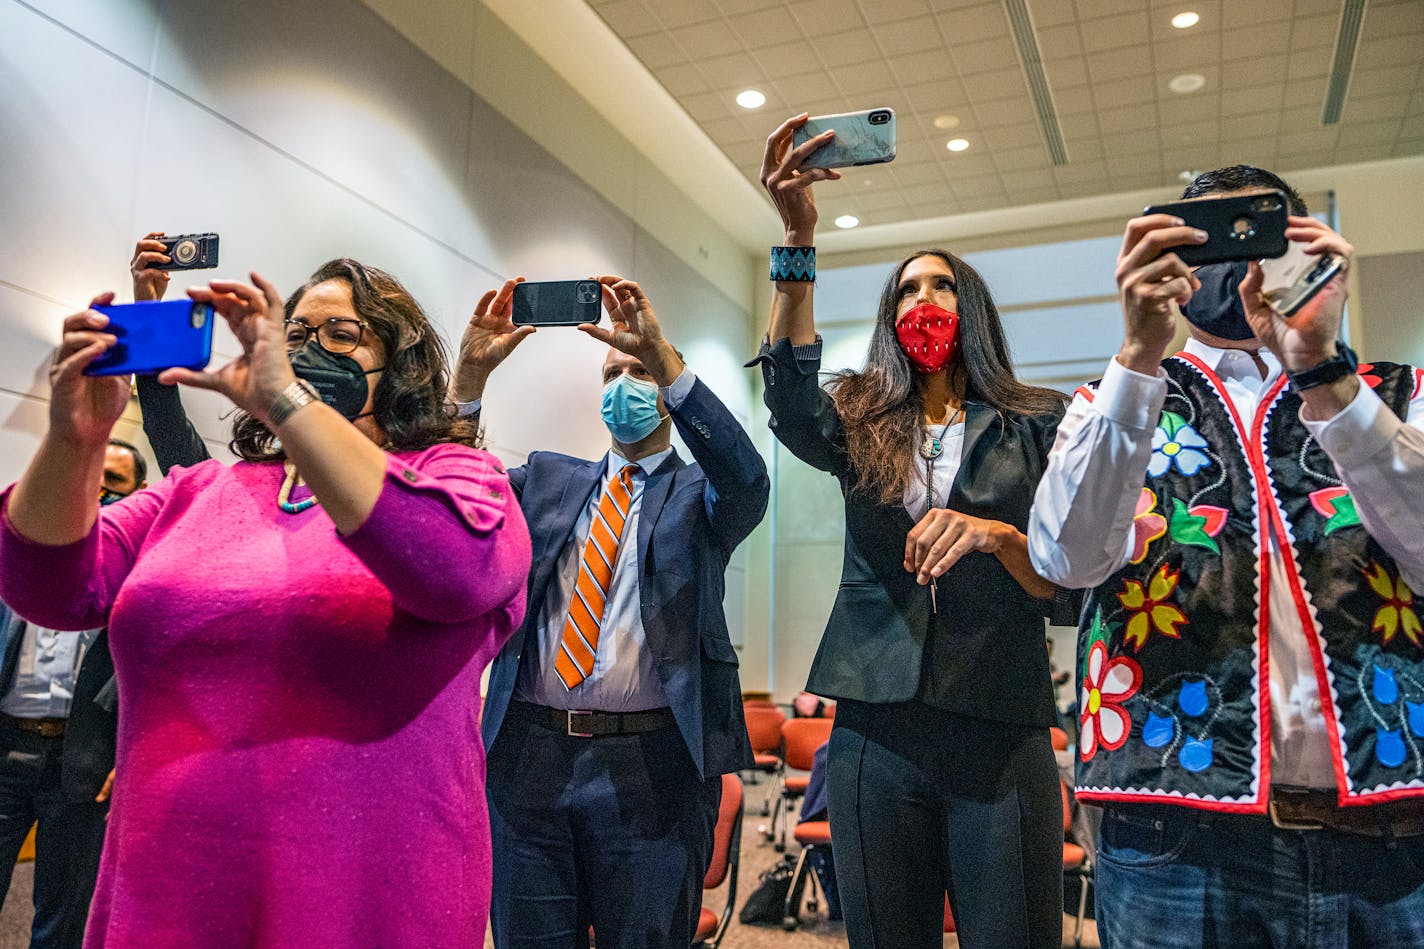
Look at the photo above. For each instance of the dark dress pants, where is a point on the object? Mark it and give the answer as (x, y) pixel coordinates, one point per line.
(613, 832)
(67, 843)
(925, 802)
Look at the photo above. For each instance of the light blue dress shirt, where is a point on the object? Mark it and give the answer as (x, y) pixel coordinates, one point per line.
(46, 671)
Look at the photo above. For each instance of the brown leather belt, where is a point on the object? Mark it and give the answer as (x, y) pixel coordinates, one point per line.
(581, 724)
(1306, 810)
(44, 727)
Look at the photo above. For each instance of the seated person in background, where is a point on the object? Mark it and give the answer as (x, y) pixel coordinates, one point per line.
(58, 716)
(298, 638)
(174, 440)
(808, 705)
(613, 712)
(1252, 669)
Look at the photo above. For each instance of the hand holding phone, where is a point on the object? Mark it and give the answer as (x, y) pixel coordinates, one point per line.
(154, 335)
(1291, 280)
(489, 337)
(1238, 227)
(862, 138)
(83, 408)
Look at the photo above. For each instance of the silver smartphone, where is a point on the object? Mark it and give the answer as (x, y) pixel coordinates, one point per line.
(862, 138)
(1295, 277)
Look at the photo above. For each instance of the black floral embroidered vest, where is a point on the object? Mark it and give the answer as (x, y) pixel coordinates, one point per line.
(1173, 652)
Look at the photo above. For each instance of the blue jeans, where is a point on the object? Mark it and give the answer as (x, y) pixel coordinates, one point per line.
(67, 844)
(1175, 878)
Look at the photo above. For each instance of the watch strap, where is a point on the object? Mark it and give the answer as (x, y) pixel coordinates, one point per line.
(298, 394)
(1342, 364)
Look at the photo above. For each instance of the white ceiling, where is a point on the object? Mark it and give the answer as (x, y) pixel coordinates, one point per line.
(1107, 62)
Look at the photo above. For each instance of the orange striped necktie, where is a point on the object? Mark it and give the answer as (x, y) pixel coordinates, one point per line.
(600, 554)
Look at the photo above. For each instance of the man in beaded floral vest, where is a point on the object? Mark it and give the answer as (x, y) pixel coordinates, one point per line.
(1247, 517)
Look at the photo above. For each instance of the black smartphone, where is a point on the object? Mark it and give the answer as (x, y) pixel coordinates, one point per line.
(190, 252)
(1238, 226)
(558, 303)
(155, 335)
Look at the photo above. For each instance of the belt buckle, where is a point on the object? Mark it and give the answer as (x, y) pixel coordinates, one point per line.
(569, 728)
(1281, 823)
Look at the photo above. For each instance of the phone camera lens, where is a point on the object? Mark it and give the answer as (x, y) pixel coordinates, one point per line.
(185, 252)
(198, 316)
(1243, 229)
(879, 118)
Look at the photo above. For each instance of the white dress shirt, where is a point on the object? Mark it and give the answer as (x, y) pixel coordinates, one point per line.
(624, 676)
(946, 466)
(1080, 530)
(46, 671)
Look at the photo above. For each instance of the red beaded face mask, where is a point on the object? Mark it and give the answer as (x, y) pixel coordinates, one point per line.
(929, 336)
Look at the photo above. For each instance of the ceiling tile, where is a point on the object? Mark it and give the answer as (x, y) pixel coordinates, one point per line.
(1114, 32)
(1192, 109)
(1247, 73)
(846, 48)
(681, 80)
(1186, 53)
(1238, 100)
(931, 66)
(823, 16)
(1135, 143)
(933, 98)
(1360, 153)
(1316, 140)
(1013, 136)
(1059, 42)
(707, 39)
(918, 173)
(1073, 101)
(675, 13)
(1005, 111)
(1303, 92)
(1250, 126)
(1310, 31)
(787, 59)
(989, 55)
(1035, 195)
(995, 85)
(1370, 133)
(887, 11)
(805, 88)
(1119, 64)
(732, 72)
(1111, 95)
(1093, 9)
(1396, 19)
(706, 106)
(1407, 147)
(857, 80)
(1066, 73)
(907, 36)
(1128, 119)
(963, 28)
(1050, 13)
(1242, 13)
(1309, 63)
(1020, 158)
(1256, 42)
(628, 18)
(770, 26)
(1362, 109)
(1377, 82)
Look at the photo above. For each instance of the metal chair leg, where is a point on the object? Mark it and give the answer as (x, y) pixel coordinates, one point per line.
(1084, 880)
(791, 916)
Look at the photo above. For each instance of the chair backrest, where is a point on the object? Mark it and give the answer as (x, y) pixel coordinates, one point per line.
(1067, 806)
(764, 728)
(724, 836)
(1059, 738)
(801, 737)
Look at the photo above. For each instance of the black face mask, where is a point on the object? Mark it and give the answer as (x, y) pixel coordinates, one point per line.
(107, 497)
(338, 379)
(1216, 307)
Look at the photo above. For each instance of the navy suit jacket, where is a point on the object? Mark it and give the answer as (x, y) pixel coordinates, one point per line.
(91, 733)
(693, 517)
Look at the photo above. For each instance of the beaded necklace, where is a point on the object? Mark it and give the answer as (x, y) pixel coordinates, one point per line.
(284, 496)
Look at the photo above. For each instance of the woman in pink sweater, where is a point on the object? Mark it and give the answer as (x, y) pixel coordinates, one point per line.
(298, 638)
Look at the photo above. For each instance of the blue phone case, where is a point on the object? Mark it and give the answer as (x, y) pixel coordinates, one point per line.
(862, 138)
(154, 336)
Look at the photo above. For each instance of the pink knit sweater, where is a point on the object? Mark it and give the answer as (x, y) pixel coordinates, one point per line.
(299, 758)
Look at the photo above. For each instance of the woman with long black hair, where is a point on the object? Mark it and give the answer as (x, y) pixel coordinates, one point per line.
(941, 771)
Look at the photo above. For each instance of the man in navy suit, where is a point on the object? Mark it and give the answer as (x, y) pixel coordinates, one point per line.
(615, 709)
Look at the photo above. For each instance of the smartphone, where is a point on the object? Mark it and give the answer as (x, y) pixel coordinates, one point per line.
(154, 336)
(1238, 227)
(1293, 278)
(862, 138)
(558, 303)
(189, 252)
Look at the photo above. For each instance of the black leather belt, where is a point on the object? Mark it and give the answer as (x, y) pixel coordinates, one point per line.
(1304, 809)
(586, 724)
(44, 727)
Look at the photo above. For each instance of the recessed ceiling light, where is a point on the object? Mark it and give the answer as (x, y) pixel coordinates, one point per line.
(750, 99)
(946, 121)
(957, 144)
(847, 220)
(1187, 82)
(1183, 20)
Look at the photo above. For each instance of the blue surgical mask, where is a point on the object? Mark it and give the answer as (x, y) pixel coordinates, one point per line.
(630, 409)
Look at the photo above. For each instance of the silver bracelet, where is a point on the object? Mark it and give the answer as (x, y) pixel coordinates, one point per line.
(298, 394)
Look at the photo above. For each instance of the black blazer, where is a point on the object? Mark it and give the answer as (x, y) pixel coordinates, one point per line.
(692, 518)
(982, 653)
(91, 734)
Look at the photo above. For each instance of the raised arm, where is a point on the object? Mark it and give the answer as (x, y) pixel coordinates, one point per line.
(789, 185)
(165, 424)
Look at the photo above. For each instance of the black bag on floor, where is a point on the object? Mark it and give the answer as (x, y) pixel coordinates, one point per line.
(767, 903)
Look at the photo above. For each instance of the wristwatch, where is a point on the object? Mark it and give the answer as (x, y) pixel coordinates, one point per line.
(1342, 364)
(298, 394)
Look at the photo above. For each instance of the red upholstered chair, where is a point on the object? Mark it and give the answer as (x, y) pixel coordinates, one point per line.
(800, 737)
(1075, 860)
(764, 732)
(726, 855)
(1059, 738)
(810, 834)
(948, 916)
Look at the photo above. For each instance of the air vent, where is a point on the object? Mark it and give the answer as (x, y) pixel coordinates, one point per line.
(1352, 15)
(1032, 60)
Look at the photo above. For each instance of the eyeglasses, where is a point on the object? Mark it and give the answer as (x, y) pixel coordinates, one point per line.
(337, 336)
